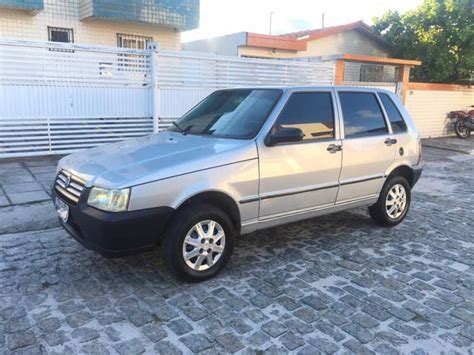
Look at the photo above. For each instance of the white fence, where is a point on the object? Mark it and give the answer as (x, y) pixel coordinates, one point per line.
(386, 86)
(58, 98)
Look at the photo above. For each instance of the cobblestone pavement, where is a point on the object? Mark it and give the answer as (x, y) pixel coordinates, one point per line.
(332, 284)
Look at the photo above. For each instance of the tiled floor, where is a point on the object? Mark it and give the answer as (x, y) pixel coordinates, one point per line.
(27, 180)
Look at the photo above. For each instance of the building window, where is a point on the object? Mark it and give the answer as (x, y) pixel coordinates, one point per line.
(371, 73)
(57, 34)
(132, 41)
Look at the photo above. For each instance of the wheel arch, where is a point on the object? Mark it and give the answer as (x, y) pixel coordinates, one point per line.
(218, 199)
(405, 171)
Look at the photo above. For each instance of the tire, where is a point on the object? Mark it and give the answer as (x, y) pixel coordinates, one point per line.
(461, 130)
(198, 240)
(380, 211)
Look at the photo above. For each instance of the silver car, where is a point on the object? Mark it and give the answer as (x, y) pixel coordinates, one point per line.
(241, 160)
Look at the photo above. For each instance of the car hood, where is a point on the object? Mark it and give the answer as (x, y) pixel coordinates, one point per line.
(154, 157)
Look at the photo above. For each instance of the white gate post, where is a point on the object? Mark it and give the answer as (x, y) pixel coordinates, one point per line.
(154, 47)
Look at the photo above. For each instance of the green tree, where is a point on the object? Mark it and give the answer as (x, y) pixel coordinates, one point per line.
(439, 33)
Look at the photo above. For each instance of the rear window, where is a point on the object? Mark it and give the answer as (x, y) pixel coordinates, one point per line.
(362, 115)
(395, 117)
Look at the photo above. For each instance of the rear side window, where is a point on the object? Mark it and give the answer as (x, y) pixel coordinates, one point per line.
(395, 117)
(312, 112)
(362, 114)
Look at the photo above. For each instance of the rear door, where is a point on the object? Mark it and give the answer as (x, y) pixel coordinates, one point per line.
(368, 145)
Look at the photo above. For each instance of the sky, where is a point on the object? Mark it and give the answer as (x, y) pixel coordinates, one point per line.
(220, 17)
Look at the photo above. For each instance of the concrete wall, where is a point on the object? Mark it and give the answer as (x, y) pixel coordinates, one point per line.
(59, 13)
(429, 104)
(351, 42)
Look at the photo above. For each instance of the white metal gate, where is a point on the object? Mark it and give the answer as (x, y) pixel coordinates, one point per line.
(58, 98)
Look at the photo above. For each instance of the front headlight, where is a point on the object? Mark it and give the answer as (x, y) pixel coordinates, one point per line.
(109, 200)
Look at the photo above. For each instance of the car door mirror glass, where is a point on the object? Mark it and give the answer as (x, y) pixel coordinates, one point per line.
(285, 135)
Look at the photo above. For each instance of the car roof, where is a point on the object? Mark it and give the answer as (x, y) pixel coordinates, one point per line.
(312, 87)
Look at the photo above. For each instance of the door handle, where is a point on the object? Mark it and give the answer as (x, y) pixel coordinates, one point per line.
(333, 148)
(390, 141)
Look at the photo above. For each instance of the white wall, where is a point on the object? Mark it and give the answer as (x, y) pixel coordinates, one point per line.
(65, 13)
(430, 107)
(351, 42)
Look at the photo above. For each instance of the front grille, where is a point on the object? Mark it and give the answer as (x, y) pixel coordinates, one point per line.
(69, 187)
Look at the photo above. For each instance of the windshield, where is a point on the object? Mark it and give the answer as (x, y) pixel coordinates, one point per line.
(237, 113)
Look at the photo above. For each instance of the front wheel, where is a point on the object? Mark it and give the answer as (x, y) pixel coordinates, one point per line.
(198, 243)
(461, 130)
(393, 203)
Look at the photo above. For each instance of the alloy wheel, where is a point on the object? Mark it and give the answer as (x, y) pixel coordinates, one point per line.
(396, 201)
(203, 245)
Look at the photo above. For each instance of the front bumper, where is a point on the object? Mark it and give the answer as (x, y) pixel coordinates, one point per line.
(417, 170)
(114, 234)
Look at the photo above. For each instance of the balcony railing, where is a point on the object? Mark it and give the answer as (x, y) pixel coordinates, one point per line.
(180, 14)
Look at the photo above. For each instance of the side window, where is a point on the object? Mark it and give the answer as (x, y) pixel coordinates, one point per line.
(362, 114)
(395, 117)
(312, 112)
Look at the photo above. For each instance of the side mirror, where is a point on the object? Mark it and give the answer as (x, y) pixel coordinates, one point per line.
(284, 135)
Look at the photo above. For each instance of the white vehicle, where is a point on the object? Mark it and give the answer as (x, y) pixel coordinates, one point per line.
(241, 160)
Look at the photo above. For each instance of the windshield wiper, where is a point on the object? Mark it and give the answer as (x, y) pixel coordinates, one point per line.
(181, 130)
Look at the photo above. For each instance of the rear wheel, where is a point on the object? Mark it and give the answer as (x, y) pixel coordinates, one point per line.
(198, 243)
(393, 203)
(461, 130)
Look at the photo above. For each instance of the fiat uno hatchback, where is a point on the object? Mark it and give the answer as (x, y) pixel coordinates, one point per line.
(241, 160)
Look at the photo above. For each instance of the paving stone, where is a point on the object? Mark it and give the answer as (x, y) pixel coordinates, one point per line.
(132, 346)
(364, 320)
(291, 341)
(358, 348)
(154, 332)
(79, 319)
(358, 332)
(22, 187)
(314, 302)
(376, 312)
(196, 342)
(274, 329)
(444, 321)
(166, 347)
(28, 197)
(324, 345)
(230, 342)
(20, 340)
(258, 339)
(437, 304)
(56, 338)
(49, 324)
(308, 350)
(84, 335)
(402, 313)
(180, 326)
(17, 325)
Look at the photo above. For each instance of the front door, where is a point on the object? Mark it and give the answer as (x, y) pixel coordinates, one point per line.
(368, 147)
(297, 177)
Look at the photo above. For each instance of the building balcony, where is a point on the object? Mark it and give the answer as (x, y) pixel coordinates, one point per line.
(180, 14)
(26, 5)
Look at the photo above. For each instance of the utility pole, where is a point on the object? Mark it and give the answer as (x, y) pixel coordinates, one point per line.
(271, 16)
(322, 21)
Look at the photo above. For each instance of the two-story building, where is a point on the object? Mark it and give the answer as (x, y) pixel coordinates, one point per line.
(117, 23)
